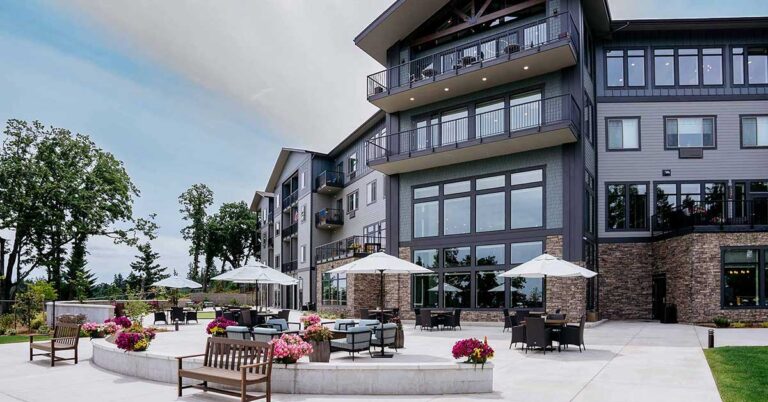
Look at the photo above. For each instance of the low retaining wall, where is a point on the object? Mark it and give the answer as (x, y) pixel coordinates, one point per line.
(318, 378)
(92, 312)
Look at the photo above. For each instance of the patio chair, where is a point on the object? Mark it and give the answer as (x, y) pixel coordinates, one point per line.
(279, 324)
(246, 318)
(518, 335)
(65, 337)
(367, 323)
(228, 315)
(343, 324)
(417, 321)
(556, 316)
(237, 332)
(537, 335)
(358, 339)
(264, 334)
(507, 319)
(160, 316)
(521, 316)
(364, 314)
(384, 335)
(284, 314)
(190, 316)
(177, 314)
(574, 335)
(218, 312)
(431, 321)
(453, 321)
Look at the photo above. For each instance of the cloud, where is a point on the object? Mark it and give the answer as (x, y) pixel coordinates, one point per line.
(293, 63)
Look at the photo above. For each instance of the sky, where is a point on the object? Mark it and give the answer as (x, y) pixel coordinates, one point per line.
(194, 91)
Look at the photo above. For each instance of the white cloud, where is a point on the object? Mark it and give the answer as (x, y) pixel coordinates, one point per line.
(293, 63)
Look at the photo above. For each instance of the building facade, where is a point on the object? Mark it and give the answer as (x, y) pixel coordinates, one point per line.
(638, 149)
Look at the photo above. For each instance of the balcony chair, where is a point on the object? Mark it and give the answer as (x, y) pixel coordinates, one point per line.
(430, 321)
(521, 316)
(358, 339)
(228, 315)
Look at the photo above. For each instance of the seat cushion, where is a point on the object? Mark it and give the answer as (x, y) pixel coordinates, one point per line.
(342, 323)
(366, 323)
(221, 376)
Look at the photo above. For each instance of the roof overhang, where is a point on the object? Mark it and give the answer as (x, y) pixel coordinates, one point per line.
(394, 24)
(690, 24)
(598, 15)
(257, 197)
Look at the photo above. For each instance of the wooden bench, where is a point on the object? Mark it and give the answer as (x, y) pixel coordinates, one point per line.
(65, 337)
(232, 362)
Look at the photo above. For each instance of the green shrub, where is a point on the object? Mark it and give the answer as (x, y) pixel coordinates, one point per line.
(722, 322)
(10, 332)
(764, 324)
(738, 324)
(44, 330)
(136, 310)
(7, 321)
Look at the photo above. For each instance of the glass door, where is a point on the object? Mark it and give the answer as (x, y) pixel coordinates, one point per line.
(525, 111)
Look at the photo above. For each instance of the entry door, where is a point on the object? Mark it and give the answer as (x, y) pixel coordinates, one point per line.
(760, 210)
(659, 295)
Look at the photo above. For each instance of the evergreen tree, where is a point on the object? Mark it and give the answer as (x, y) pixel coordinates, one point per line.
(146, 268)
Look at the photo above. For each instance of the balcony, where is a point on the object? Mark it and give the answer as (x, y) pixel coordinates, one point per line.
(533, 125)
(290, 199)
(537, 48)
(711, 216)
(329, 182)
(353, 246)
(329, 218)
(271, 217)
(290, 231)
(289, 266)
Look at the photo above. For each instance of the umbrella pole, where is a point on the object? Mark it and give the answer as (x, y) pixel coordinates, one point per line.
(381, 314)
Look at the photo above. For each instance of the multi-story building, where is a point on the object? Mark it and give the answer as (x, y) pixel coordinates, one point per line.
(638, 149)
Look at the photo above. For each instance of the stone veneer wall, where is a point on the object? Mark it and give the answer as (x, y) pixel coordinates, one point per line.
(625, 280)
(567, 294)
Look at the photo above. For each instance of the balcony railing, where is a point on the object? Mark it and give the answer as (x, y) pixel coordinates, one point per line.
(289, 266)
(328, 218)
(490, 48)
(349, 247)
(329, 179)
(713, 214)
(271, 217)
(500, 122)
(290, 199)
(290, 230)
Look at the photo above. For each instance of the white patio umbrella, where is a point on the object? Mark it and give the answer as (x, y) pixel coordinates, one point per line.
(499, 288)
(546, 265)
(177, 282)
(447, 287)
(380, 263)
(256, 273)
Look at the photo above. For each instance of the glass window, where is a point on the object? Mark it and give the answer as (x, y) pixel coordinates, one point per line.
(664, 67)
(589, 203)
(526, 292)
(527, 208)
(690, 132)
(425, 219)
(457, 257)
(426, 258)
(627, 206)
(489, 182)
(456, 187)
(334, 289)
(757, 65)
(616, 206)
(530, 176)
(456, 213)
(352, 163)
(525, 111)
(758, 187)
(371, 192)
(740, 277)
(424, 288)
(688, 66)
(425, 192)
(737, 57)
(638, 206)
(489, 118)
(524, 252)
(456, 290)
(490, 289)
(666, 196)
(453, 126)
(490, 212)
(623, 134)
(712, 66)
(615, 68)
(636, 68)
(754, 131)
(352, 201)
(490, 255)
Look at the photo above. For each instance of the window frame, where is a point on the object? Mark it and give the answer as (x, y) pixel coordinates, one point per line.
(639, 135)
(370, 192)
(741, 131)
(746, 65)
(674, 66)
(679, 192)
(714, 131)
(356, 196)
(648, 201)
(762, 265)
(625, 66)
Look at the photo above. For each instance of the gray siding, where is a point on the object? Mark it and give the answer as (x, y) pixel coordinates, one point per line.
(727, 162)
(551, 157)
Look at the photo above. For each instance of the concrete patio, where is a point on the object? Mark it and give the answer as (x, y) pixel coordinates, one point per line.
(629, 361)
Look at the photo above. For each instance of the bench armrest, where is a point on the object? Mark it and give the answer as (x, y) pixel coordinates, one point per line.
(65, 337)
(189, 356)
(247, 366)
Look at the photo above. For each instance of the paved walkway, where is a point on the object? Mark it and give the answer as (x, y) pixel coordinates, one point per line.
(627, 361)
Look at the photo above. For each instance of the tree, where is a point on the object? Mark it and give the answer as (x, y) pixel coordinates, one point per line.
(146, 270)
(194, 202)
(54, 187)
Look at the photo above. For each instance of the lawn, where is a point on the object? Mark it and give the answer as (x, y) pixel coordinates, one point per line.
(205, 315)
(741, 373)
(21, 338)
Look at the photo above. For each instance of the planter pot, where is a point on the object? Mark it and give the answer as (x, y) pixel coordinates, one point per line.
(224, 335)
(399, 339)
(592, 316)
(321, 352)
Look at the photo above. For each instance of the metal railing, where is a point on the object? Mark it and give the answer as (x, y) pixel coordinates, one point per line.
(290, 199)
(709, 213)
(489, 48)
(349, 247)
(290, 230)
(329, 178)
(503, 121)
(329, 216)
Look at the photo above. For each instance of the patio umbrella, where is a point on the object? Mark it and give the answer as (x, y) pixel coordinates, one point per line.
(177, 282)
(546, 265)
(380, 263)
(499, 288)
(256, 273)
(447, 287)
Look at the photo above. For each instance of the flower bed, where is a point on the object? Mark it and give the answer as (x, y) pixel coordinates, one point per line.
(310, 320)
(290, 348)
(218, 326)
(120, 321)
(135, 338)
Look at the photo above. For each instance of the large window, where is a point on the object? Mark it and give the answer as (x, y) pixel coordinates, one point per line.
(489, 118)
(490, 212)
(424, 288)
(623, 133)
(712, 66)
(737, 62)
(425, 219)
(334, 289)
(456, 290)
(664, 67)
(426, 258)
(744, 270)
(526, 292)
(627, 206)
(754, 131)
(688, 66)
(615, 68)
(589, 203)
(370, 192)
(456, 215)
(454, 127)
(757, 65)
(457, 257)
(525, 111)
(629, 64)
(490, 289)
(352, 164)
(690, 132)
(490, 255)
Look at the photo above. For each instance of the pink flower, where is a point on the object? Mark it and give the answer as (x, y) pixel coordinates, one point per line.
(290, 348)
(309, 320)
(219, 326)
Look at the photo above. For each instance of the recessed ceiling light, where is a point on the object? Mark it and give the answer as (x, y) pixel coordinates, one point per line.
(485, 79)
(446, 89)
(412, 99)
(525, 68)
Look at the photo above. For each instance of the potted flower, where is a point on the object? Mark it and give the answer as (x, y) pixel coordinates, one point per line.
(135, 338)
(121, 321)
(319, 336)
(218, 327)
(355, 247)
(399, 334)
(310, 320)
(93, 329)
(290, 348)
(476, 351)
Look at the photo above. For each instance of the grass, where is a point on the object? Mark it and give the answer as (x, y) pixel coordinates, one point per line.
(205, 315)
(741, 372)
(21, 338)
